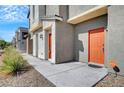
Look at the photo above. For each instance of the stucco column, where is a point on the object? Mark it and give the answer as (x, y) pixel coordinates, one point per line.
(53, 31)
(45, 47)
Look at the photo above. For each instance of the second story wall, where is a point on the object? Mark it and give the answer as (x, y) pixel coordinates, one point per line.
(39, 11)
(60, 10)
(63, 11)
(52, 10)
(31, 15)
(75, 10)
(36, 12)
(42, 10)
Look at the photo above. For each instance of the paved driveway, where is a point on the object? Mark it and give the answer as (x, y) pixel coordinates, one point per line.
(72, 74)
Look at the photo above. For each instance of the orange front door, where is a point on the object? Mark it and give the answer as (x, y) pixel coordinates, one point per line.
(49, 45)
(96, 46)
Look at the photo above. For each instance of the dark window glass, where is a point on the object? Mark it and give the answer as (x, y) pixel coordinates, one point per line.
(24, 35)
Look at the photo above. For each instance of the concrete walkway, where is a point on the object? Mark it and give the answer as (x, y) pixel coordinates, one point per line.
(73, 74)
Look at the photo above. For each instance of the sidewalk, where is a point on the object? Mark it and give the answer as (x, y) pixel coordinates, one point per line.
(73, 74)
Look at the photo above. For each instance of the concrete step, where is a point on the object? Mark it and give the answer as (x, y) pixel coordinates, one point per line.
(94, 64)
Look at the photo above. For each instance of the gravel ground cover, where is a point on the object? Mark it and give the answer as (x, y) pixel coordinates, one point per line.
(111, 81)
(30, 78)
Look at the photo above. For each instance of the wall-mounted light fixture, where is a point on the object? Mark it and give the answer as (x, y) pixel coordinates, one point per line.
(106, 29)
(41, 36)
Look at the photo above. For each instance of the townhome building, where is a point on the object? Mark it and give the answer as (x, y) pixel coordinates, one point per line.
(50, 41)
(13, 42)
(85, 33)
(20, 39)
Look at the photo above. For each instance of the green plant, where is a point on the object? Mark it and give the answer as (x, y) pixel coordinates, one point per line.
(13, 62)
(4, 44)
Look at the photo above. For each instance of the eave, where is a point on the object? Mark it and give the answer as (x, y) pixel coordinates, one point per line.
(92, 13)
(35, 27)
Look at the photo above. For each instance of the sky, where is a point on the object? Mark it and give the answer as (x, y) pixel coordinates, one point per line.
(12, 17)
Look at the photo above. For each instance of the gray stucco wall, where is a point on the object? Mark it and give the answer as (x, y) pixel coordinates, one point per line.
(81, 36)
(75, 10)
(20, 42)
(116, 35)
(60, 10)
(41, 10)
(52, 9)
(36, 12)
(63, 11)
(64, 42)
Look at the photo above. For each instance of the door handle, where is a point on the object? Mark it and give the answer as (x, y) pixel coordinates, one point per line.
(103, 49)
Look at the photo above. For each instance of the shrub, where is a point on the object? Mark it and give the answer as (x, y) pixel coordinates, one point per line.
(13, 62)
(4, 44)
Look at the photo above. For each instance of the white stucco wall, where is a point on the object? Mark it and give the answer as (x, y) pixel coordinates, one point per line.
(40, 45)
(51, 23)
(34, 45)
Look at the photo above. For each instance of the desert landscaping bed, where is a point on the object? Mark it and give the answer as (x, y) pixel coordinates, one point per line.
(21, 74)
(30, 78)
(111, 81)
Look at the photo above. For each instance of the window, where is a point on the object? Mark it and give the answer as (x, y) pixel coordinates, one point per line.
(24, 35)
